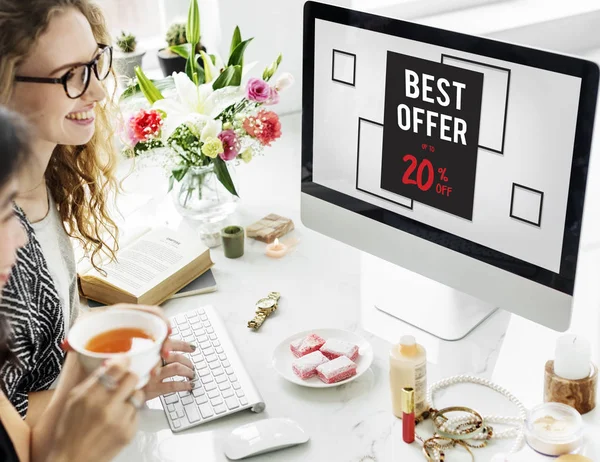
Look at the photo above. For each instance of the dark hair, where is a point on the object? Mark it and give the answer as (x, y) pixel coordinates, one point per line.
(14, 143)
(14, 146)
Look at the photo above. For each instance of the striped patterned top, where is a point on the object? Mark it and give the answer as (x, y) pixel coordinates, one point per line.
(31, 304)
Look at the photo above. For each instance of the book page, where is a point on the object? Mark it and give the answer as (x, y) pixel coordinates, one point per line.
(150, 260)
(126, 238)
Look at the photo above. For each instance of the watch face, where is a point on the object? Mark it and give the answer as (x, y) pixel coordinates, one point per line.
(266, 303)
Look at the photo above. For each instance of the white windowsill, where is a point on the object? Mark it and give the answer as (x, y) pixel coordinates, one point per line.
(562, 25)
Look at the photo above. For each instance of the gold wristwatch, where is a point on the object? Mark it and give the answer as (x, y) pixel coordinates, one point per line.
(264, 307)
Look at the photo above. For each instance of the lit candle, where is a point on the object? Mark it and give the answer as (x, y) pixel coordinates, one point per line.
(572, 357)
(276, 249)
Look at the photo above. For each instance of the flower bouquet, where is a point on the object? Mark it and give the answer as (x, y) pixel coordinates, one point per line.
(205, 121)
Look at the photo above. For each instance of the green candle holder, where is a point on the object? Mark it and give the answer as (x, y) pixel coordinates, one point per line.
(233, 241)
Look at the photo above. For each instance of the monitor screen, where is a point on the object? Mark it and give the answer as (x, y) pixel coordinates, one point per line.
(466, 142)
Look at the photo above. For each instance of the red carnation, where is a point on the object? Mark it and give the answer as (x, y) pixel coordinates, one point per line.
(265, 126)
(144, 125)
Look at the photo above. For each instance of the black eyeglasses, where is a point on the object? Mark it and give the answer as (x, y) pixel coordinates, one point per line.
(77, 79)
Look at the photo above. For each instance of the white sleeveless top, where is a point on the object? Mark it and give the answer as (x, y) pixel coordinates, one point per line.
(60, 258)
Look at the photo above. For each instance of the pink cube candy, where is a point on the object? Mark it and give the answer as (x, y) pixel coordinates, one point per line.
(336, 370)
(335, 348)
(306, 345)
(306, 366)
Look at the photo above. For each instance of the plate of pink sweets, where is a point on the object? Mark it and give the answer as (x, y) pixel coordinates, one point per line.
(322, 358)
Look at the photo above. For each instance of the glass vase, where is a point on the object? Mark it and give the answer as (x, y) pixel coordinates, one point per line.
(201, 196)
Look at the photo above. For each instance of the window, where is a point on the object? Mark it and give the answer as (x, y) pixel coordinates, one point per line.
(148, 20)
(136, 16)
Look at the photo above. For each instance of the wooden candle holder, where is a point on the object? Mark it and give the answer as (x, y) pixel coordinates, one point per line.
(579, 394)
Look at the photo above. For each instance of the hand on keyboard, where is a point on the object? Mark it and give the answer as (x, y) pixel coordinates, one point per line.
(176, 365)
(222, 384)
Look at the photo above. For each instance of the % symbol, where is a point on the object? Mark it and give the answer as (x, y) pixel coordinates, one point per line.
(432, 148)
(442, 172)
(424, 146)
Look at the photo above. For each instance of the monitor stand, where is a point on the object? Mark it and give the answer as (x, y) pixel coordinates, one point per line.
(421, 302)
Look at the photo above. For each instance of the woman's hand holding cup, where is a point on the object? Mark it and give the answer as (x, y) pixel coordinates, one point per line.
(172, 364)
(168, 361)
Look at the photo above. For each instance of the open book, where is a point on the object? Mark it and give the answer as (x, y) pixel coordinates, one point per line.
(149, 269)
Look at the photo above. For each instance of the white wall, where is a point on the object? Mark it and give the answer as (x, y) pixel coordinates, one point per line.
(277, 26)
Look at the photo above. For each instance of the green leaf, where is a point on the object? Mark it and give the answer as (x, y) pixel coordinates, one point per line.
(223, 175)
(224, 79)
(132, 90)
(179, 172)
(237, 56)
(171, 183)
(181, 50)
(145, 146)
(236, 80)
(190, 69)
(151, 93)
(235, 40)
(192, 29)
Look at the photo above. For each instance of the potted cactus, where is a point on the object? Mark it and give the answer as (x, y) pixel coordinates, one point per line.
(171, 58)
(126, 57)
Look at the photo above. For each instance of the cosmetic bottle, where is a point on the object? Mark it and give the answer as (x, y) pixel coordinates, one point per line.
(408, 369)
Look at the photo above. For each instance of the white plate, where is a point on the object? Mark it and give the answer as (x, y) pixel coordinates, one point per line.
(283, 356)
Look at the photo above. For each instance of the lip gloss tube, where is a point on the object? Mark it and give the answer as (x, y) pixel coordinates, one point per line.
(408, 415)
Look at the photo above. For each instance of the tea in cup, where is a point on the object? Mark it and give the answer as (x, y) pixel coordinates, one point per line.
(136, 334)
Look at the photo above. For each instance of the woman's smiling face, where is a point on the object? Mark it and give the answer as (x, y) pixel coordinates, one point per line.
(58, 119)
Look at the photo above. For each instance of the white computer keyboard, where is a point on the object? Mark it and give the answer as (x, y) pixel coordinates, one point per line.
(222, 385)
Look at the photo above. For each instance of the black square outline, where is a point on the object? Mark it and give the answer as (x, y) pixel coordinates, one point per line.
(512, 198)
(353, 84)
(501, 151)
(362, 119)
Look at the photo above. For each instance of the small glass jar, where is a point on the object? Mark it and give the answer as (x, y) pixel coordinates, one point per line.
(554, 429)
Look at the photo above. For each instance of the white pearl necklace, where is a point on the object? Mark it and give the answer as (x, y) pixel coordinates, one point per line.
(516, 422)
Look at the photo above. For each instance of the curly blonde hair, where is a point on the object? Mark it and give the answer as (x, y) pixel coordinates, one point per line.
(79, 177)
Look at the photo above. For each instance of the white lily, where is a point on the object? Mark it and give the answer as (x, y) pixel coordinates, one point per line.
(193, 101)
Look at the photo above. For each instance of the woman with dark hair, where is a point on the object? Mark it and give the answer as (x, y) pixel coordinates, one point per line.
(86, 420)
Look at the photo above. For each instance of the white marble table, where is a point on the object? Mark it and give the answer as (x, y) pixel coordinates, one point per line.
(321, 286)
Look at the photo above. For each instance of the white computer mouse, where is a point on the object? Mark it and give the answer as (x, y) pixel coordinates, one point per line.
(262, 436)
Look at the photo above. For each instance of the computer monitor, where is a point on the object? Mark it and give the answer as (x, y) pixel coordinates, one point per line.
(458, 158)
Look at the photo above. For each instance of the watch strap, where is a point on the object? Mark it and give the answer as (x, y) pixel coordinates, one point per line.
(274, 295)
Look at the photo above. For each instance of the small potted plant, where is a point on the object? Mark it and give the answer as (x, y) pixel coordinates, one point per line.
(171, 58)
(126, 58)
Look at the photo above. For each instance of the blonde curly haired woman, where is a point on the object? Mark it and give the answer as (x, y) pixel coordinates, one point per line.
(55, 60)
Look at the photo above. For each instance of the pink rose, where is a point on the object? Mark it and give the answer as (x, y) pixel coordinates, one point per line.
(258, 90)
(231, 145)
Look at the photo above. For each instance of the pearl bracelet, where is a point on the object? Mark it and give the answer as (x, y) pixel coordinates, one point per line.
(516, 422)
